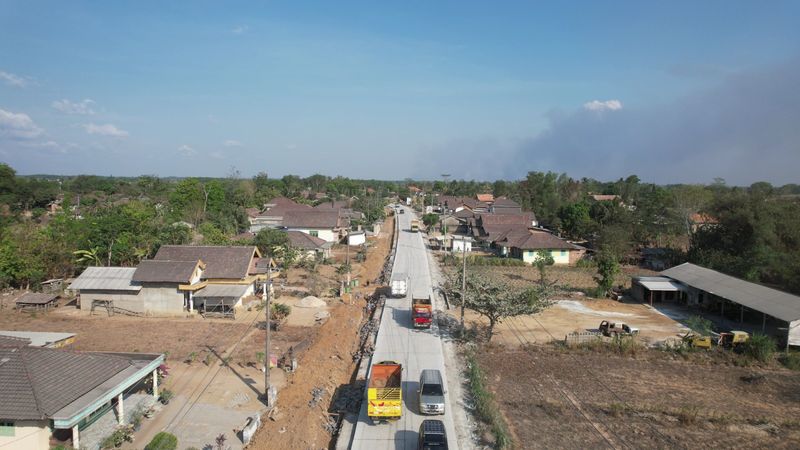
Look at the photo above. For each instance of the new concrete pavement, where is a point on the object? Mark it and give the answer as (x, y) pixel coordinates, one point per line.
(414, 349)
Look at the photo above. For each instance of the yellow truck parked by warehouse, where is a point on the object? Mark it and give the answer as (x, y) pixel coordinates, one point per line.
(384, 391)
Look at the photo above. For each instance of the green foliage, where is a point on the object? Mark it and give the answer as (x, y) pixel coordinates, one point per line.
(575, 220)
(120, 436)
(212, 235)
(485, 405)
(280, 311)
(607, 270)
(430, 220)
(757, 237)
(163, 441)
(759, 347)
(543, 259)
(790, 360)
(699, 325)
(269, 239)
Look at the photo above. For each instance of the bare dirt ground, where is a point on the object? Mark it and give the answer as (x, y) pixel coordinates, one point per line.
(555, 398)
(326, 364)
(178, 337)
(572, 310)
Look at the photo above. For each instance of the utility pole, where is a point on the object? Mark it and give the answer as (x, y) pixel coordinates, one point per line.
(267, 387)
(463, 281)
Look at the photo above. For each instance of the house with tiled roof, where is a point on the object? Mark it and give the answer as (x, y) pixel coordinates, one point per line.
(274, 210)
(56, 396)
(526, 245)
(169, 283)
(504, 205)
(309, 246)
(329, 225)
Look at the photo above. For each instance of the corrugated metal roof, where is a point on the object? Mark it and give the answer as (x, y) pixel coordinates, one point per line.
(38, 338)
(106, 279)
(660, 284)
(222, 290)
(776, 303)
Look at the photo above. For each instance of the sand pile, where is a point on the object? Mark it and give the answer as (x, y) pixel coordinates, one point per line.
(311, 302)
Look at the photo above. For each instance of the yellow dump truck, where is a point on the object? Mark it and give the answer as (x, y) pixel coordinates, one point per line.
(414, 225)
(384, 391)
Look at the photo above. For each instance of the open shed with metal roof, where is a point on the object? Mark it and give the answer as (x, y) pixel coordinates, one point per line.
(765, 309)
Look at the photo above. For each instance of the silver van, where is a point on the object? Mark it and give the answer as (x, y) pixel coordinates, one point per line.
(431, 392)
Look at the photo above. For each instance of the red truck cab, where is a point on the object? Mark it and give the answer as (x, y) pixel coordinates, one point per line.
(421, 312)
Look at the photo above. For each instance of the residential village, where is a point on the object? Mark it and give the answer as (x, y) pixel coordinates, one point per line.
(179, 343)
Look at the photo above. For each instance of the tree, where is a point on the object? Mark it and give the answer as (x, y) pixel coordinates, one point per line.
(495, 300)
(188, 201)
(689, 200)
(543, 259)
(575, 220)
(430, 220)
(607, 270)
(268, 239)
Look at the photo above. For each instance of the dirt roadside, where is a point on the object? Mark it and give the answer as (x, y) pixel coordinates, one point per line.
(327, 364)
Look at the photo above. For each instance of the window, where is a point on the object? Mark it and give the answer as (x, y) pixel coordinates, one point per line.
(7, 429)
(314, 233)
(563, 253)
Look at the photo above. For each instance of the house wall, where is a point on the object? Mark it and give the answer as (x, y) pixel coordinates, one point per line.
(161, 298)
(124, 299)
(323, 233)
(27, 435)
(560, 257)
(357, 239)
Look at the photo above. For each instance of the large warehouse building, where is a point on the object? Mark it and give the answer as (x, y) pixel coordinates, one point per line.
(756, 307)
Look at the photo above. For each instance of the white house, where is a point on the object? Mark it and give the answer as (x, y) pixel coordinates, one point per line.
(324, 224)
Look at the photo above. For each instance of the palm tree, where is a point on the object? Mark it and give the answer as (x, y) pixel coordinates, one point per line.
(91, 256)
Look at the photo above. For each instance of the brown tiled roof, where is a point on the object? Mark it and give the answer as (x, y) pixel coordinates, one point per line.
(230, 262)
(535, 240)
(503, 202)
(506, 219)
(485, 197)
(35, 298)
(281, 210)
(152, 271)
(282, 201)
(312, 219)
(337, 204)
(305, 241)
(36, 382)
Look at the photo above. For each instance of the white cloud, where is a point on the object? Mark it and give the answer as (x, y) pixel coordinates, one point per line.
(186, 150)
(217, 155)
(105, 130)
(83, 107)
(232, 143)
(13, 80)
(18, 125)
(240, 29)
(608, 105)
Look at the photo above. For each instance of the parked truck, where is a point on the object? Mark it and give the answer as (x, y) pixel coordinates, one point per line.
(414, 226)
(617, 329)
(399, 285)
(421, 312)
(384, 391)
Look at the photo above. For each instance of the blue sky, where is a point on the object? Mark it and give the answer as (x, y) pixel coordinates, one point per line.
(480, 90)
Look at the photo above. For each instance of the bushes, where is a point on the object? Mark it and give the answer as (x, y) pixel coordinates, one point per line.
(485, 405)
(760, 347)
(163, 441)
(494, 261)
(790, 360)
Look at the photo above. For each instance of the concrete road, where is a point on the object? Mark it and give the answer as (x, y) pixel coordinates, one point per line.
(414, 349)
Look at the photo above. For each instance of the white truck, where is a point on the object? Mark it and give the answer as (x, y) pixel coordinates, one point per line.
(399, 285)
